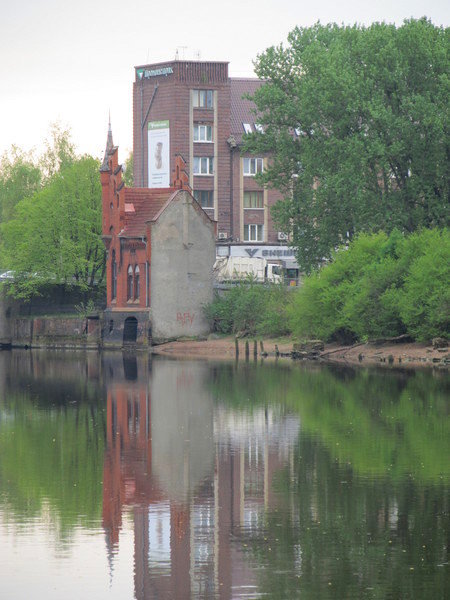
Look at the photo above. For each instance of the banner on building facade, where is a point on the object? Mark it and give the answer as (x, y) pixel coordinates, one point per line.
(158, 154)
(274, 253)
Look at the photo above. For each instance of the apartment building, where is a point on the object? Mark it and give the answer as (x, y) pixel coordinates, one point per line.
(195, 109)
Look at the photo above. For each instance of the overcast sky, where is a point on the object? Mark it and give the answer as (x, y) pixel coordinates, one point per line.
(73, 61)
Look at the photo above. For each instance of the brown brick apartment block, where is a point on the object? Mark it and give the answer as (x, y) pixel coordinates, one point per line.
(196, 110)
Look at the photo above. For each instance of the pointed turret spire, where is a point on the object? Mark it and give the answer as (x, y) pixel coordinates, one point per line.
(109, 147)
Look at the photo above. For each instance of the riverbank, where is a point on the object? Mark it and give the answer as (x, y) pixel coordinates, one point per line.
(387, 354)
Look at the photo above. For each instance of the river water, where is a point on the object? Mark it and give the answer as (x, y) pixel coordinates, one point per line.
(134, 477)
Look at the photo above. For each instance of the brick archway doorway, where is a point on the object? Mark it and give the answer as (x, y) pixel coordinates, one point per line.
(130, 330)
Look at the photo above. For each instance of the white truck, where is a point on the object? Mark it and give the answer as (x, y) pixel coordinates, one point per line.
(229, 269)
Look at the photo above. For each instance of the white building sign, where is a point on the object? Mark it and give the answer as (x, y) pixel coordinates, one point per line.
(267, 252)
(147, 73)
(158, 154)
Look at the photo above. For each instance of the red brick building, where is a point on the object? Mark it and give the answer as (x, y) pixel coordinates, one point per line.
(195, 109)
(160, 254)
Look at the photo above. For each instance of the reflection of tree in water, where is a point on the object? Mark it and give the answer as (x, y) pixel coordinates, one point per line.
(345, 538)
(383, 423)
(366, 500)
(358, 498)
(52, 439)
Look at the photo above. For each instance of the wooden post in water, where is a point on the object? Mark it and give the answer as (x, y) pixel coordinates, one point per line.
(236, 347)
(255, 349)
(277, 352)
(247, 350)
(261, 346)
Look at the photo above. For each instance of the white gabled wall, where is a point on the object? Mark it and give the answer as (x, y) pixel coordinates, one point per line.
(182, 258)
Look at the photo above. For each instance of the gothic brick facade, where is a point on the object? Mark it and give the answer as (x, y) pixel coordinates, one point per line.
(151, 237)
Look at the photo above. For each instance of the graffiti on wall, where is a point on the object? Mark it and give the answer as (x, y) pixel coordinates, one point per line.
(185, 318)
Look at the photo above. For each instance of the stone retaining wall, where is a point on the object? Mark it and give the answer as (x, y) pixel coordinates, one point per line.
(55, 332)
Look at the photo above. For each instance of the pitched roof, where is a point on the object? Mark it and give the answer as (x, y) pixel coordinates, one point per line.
(142, 205)
(241, 108)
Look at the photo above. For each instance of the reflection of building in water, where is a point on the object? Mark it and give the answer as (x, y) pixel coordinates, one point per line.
(196, 475)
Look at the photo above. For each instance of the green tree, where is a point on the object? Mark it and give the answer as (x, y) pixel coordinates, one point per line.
(128, 171)
(356, 122)
(55, 237)
(59, 150)
(20, 177)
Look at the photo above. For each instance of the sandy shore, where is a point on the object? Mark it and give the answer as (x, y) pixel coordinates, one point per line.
(412, 355)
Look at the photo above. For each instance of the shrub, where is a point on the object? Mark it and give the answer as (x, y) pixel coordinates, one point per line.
(379, 287)
(250, 308)
(424, 301)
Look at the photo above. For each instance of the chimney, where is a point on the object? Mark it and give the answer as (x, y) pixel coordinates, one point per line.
(180, 176)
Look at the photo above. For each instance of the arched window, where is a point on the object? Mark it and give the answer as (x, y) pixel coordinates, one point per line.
(137, 287)
(130, 283)
(113, 275)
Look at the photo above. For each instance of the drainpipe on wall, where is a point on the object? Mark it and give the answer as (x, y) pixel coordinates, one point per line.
(232, 145)
(144, 241)
(142, 132)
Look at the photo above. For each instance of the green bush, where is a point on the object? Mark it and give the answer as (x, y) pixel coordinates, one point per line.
(424, 301)
(250, 308)
(378, 287)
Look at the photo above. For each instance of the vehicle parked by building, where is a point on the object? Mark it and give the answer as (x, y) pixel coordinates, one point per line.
(233, 269)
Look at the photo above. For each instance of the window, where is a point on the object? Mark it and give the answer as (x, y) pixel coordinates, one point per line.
(130, 283)
(202, 133)
(252, 166)
(137, 285)
(253, 200)
(253, 233)
(203, 165)
(202, 98)
(205, 198)
(247, 127)
(113, 275)
(259, 128)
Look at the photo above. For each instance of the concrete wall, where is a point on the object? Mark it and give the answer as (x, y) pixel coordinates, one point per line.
(183, 254)
(5, 320)
(54, 332)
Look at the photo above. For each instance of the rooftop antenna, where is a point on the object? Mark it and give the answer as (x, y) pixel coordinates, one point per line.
(182, 48)
(176, 55)
(197, 55)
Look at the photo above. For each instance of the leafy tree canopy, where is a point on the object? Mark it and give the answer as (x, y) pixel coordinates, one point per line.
(128, 171)
(55, 235)
(50, 218)
(21, 174)
(19, 177)
(355, 119)
(59, 151)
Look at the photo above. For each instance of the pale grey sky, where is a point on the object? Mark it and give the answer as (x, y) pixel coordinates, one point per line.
(73, 61)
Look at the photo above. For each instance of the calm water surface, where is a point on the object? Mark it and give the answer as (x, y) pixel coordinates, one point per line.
(128, 477)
